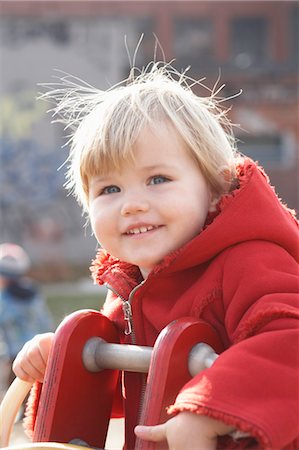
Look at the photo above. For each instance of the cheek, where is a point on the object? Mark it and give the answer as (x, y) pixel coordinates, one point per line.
(104, 226)
(195, 215)
(98, 223)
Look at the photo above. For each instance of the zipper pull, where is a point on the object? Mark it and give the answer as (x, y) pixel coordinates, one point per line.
(128, 317)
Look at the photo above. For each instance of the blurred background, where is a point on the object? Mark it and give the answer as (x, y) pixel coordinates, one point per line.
(252, 44)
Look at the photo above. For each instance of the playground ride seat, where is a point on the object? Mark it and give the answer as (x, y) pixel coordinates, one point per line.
(75, 405)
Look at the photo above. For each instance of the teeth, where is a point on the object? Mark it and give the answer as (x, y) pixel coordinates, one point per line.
(140, 230)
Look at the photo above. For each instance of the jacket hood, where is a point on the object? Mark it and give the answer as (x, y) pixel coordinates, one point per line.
(250, 212)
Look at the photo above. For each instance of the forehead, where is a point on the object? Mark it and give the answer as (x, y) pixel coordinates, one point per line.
(159, 144)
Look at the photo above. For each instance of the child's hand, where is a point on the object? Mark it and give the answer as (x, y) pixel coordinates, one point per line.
(186, 430)
(30, 363)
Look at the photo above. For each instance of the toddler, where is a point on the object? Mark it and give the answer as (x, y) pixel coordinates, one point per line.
(187, 227)
(23, 308)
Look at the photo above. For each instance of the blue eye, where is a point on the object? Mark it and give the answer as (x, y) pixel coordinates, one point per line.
(110, 190)
(158, 179)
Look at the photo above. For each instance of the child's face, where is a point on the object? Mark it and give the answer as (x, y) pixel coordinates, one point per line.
(153, 206)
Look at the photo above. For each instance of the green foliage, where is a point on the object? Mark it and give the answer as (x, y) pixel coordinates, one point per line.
(62, 305)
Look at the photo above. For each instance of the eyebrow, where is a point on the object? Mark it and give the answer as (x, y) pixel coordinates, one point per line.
(100, 179)
(107, 178)
(156, 167)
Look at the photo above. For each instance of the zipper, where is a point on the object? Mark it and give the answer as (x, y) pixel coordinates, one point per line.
(129, 331)
(133, 338)
(127, 310)
(142, 396)
(128, 318)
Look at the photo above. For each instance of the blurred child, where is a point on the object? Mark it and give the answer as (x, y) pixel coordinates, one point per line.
(187, 228)
(23, 311)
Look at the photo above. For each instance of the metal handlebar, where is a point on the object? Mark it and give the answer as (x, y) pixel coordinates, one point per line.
(99, 355)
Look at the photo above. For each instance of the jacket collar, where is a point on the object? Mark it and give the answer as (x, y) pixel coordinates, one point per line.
(111, 271)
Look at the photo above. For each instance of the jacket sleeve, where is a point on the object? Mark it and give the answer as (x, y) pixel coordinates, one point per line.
(253, 385)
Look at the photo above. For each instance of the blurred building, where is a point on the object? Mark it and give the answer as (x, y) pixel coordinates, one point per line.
(251, 45)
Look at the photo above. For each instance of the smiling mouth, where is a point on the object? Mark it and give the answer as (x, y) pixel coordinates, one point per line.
(141, 230)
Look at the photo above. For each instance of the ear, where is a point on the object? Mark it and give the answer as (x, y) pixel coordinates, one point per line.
(215, 197)
(226, 177)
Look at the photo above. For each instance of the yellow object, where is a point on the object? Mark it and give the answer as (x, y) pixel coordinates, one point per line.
(45, 445)
(9, 408)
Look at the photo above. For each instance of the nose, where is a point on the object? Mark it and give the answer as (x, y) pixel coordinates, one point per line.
(134, 206)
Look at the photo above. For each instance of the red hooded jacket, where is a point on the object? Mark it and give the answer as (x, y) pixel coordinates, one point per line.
(240, 274)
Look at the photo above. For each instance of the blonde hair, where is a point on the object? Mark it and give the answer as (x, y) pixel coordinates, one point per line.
(106, 124)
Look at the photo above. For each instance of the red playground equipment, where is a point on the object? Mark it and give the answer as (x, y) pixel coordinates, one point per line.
(76, 399)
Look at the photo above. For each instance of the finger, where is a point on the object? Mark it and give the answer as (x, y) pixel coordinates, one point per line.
(45, 345)
(33, 371)
(26, 371)
(29, 363)
(33, 358)
(155, 433)
(20, 373)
